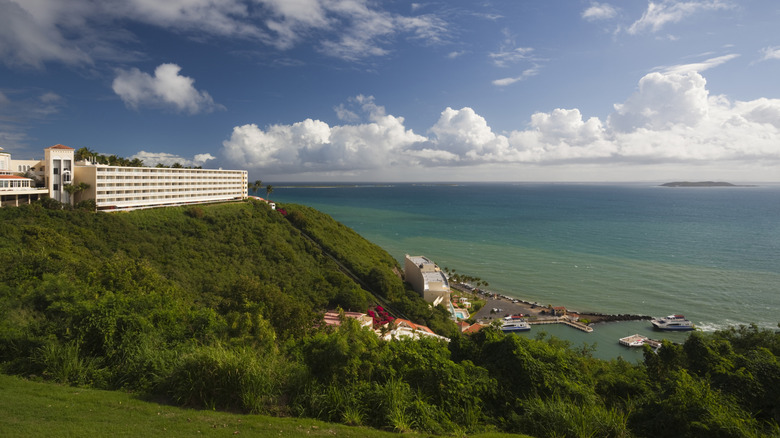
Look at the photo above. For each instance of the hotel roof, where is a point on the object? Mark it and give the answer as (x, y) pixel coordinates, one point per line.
(60, 146)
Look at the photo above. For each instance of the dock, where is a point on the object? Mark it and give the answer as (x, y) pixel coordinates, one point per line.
(578, 325)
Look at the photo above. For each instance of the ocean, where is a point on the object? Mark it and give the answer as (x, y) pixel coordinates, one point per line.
(710, 253)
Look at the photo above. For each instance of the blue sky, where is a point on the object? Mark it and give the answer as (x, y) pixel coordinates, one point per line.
(357, 90)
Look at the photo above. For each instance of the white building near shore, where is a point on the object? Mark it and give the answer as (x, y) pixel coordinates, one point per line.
(116, 188)
(427, 279)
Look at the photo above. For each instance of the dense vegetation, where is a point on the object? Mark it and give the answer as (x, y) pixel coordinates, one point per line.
(220, 307)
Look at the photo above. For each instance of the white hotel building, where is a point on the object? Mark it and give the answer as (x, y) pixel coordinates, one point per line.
(120, 188)
(427, 279)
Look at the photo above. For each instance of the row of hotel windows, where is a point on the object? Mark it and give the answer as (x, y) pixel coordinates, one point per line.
(174, 184)
(164, 177)
(15, 184)
(224, 195)
(144, 191)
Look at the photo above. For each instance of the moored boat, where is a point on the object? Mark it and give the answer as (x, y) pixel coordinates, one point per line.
(638, 340)
(673, 322)
(633, 340)
(520, 325)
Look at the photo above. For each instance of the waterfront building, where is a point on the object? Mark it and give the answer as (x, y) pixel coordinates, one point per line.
(427, 279)
(16, 189)
(118, 188)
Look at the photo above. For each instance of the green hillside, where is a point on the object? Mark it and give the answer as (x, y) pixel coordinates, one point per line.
(220, 307)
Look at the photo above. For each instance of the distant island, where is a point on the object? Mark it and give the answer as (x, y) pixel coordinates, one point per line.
(701, 184)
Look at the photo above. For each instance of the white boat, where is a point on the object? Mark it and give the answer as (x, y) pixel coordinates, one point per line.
(673, 322)
(633, 340)
(515, 326)
(639, 341)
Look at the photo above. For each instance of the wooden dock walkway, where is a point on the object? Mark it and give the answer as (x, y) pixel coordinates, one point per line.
(577, 325)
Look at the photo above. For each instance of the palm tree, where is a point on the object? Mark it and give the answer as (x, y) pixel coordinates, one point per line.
(268, 189)
(255, 186)
(83, 154)
(71, 189)
(74, 189)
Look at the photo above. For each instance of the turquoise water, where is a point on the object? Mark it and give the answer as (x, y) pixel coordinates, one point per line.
(712, 254)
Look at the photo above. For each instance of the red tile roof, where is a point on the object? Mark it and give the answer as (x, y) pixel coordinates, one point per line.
(60, 146)
(13, 177)
(474, 328)
(412, 325)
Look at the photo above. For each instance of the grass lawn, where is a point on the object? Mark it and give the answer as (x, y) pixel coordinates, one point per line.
(33, 409)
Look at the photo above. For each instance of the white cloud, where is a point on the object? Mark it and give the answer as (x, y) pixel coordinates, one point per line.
(82, 32)
(166, 89)
(660, 14)
(671, 121)
(699, 66)
(511, 80)
(154, 158)
(202, 158)
(663, 100)
(770, 53)
(506, 56)
(599, 11)
(31, 35)
(313, 145)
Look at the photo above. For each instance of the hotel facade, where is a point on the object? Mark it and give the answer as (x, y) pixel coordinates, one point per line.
(427, 279)
(116, 188)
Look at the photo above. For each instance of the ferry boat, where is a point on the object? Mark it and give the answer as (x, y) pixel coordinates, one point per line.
(673, 322)
(515, 325)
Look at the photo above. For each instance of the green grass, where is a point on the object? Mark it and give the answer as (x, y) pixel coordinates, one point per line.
(33, 409)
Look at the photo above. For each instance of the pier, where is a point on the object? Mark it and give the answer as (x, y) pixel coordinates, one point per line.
(578, 325)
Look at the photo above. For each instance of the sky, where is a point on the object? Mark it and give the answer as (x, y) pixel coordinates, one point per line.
(384, 91)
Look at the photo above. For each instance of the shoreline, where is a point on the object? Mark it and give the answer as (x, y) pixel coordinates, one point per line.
(498, 306)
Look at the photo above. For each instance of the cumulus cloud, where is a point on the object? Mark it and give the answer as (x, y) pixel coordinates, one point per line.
(167, 88)
(155, 158)
(599, 11)
(671, 120)
(660, 14)
(81, 32)
(313, 145)
(663, 100)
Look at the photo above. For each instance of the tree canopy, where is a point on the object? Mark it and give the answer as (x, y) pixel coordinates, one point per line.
(220, 307)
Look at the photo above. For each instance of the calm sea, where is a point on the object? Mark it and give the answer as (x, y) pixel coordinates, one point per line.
(712, 254)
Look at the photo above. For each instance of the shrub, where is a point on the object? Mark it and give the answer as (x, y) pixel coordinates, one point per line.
(240, 379)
